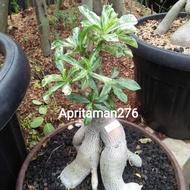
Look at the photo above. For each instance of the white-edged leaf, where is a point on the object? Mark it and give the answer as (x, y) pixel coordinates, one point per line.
(80, 75)
(51, 78)
(90, 15)
(52, 89)
(128, 40)
(66, 89)
(117, 50)
(110, 37)
(71, 61)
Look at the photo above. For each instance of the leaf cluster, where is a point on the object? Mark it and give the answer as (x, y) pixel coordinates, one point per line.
(107, 33)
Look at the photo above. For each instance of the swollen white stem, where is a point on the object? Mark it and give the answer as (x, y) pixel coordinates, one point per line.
(86, 161)
(114, 156)
(164, 26)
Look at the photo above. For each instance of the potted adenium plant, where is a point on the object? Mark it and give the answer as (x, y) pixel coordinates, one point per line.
(164, 74)
(96, 91)
(100, 141)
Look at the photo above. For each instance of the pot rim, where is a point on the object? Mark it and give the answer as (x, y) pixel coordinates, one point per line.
(161, 56)
(178, 173)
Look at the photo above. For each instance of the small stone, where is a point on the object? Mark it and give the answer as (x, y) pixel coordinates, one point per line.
(70, 127)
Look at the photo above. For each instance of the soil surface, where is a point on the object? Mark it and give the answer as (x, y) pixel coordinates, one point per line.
(146, 33)
(156, 172)
(23, 28)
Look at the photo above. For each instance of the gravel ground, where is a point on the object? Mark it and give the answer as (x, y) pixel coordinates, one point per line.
(146, 32)
(155, 174)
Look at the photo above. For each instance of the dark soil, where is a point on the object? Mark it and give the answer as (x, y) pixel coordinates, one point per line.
(156, 172)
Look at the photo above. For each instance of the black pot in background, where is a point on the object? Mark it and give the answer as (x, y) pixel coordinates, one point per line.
(14, 81)
(158, 5)
(164, 76)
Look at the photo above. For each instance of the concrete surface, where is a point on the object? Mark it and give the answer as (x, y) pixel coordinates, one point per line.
(181, 151)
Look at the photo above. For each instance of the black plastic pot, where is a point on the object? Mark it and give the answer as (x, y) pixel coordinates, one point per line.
(34, 152)
(158, 5)
(164, 77)
(14, 81)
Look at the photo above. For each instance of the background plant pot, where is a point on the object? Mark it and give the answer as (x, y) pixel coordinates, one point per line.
(37, 152)
(14, 81)
(158, 5)
(164, 77)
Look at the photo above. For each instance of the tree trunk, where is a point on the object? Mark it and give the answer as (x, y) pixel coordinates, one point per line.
(87, 142)
(50, 2)
(97, 7)
(181, 36)
(43, 24)
(29, 3)
(170, 17)
(119, 6)
(4, 7)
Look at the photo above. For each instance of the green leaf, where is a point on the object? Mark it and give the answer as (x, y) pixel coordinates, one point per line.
(102, 98)
(128, 40)
(128, 19)
(92, 96)
(90, 15)
(52, 90)
(114, 73)
(120, 94)
(51, 78)
(110, 104)
(36, 102)
(101, 77)
(48, 128)
(80, 75)
(105, 89)
(95, 54)
(71, 72)
(88, 114)
(92, 84)
(77, 98)
(128, 83)
(117, 50)
(37, 122)
(85, 83)
(109, 18)
(42, 110)
(100, 107)
(96, 63)
(71, 61)
(76, 34)
(111, 37)
(87, 120)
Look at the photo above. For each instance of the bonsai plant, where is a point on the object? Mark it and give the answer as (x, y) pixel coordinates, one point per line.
(80, 68)
(163, 75)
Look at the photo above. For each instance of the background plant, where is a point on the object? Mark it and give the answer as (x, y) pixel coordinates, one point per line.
(107, 33)
(38, 121)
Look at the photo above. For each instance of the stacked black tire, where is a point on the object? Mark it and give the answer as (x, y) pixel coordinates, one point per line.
(14, 81)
